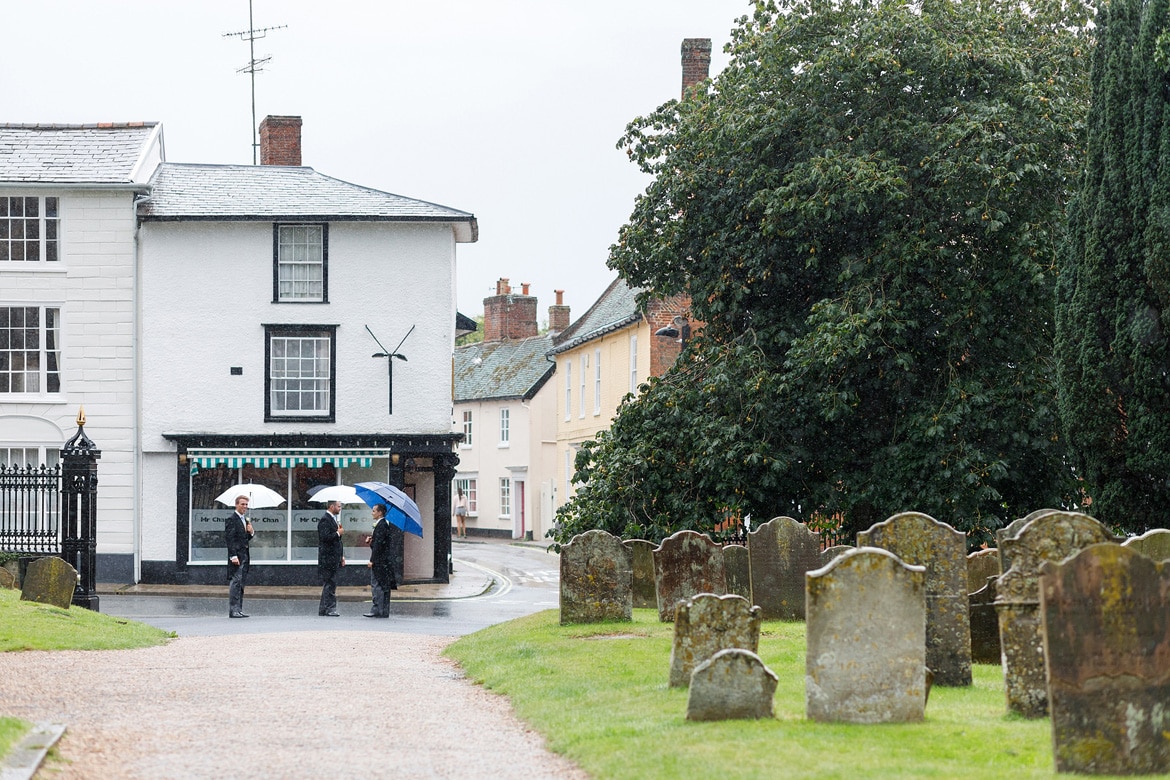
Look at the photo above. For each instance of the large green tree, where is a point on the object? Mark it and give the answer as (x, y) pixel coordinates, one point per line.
(1113, 308)
(863, 208)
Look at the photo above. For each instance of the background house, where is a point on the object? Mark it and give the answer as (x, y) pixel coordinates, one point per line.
(505, 410)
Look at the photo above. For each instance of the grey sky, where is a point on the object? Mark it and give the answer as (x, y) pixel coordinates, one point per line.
(509, 109)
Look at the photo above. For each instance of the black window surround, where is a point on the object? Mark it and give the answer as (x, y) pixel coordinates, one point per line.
(271, 331)
(276, 226)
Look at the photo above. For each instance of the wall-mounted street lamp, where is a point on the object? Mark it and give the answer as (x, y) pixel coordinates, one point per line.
(679, 329)
(385, 353)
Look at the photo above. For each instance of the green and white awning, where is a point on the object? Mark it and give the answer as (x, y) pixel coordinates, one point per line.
(285, 458)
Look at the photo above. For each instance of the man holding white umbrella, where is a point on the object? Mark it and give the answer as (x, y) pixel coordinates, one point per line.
(237, 531)
(330, 558)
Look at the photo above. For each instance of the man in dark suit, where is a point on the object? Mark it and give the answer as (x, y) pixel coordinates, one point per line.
(237, 531)
(381, 565)
(330, 557)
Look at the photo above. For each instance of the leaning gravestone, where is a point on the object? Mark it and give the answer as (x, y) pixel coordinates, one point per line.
(1106, 620)
(982, 564)
(923, 541)
(49, 581)
(595, 579)
(686, 564)
(642, 558)
(782, 552)
(737, 566)
(706, 624)
(7, 579)
(733, 684)
(984, 624)
(1153, 544)
(866, 639)
(1052, 536)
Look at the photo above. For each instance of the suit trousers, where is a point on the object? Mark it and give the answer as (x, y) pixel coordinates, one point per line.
(328, 592)
(381, 594)
(236, 587)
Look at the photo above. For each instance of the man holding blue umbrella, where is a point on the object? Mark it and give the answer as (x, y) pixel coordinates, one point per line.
(381, 564)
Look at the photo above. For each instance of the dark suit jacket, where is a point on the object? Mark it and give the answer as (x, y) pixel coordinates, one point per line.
(330, 549)
(381, 554)
(237, 538)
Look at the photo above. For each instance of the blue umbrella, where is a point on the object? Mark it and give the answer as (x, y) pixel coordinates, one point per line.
(403, 511)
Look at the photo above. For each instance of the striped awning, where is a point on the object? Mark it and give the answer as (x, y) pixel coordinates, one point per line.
(285, 458)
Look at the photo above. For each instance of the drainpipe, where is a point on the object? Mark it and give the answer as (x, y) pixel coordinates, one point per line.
(139, 198)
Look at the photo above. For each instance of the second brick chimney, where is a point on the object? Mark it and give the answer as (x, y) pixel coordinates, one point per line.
(280, 140)
(507, 315)
(558, 314)
(696, 62)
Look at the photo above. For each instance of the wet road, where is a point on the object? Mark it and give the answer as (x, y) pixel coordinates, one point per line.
(525, 580)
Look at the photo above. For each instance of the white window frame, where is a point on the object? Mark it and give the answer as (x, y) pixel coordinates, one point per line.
(301, 263)
(15, 352)
(597, 382)
(16, 224)
(299, 376)
(505, 497)
(505, 426)
(584, 374)
(467, 428)
(634, 364)
(18, 455)
(568, 388)
(470, 485)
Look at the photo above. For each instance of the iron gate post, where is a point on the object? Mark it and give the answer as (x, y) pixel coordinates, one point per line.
(79, 482)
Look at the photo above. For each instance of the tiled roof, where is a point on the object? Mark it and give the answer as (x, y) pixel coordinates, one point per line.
(73, 154)
(505, 369)
(616, 308)
(215, 192)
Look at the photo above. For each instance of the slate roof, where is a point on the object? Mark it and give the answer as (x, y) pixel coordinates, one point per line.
(506, 369)
(184, 191)
(73, 154)
(616, 308)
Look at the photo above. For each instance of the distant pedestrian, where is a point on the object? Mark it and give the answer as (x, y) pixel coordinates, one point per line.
(237, 531)
(382, 577)
(460, 514)
(330, 557)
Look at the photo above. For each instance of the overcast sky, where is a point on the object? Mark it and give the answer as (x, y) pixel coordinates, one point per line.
(509, 109)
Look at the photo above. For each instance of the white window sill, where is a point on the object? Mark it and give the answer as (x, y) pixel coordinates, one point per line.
(33, 398)
(503, 445)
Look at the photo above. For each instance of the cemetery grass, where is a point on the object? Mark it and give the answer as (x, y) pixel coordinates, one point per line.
(599, 695)
(28, 625)
(11, 730)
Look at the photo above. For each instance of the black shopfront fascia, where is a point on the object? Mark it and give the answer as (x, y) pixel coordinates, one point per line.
(437, 449)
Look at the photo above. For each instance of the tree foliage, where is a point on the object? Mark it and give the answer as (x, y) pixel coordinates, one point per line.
(1114, 293)
(863, 208)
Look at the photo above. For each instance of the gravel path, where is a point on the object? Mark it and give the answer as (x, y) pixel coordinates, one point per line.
(319, 704)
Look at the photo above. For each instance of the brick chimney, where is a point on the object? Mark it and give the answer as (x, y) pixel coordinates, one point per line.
(507, 315)
(558, 314)
(696, 62)
(280, 140)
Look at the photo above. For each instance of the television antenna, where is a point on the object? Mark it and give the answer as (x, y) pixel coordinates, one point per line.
(251, 35)
(385, 353)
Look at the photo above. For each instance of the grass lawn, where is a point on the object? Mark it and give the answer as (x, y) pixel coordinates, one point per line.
(11, 730)
(27, 625)
(599, 695)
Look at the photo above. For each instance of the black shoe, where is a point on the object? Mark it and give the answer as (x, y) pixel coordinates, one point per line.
(237, 615)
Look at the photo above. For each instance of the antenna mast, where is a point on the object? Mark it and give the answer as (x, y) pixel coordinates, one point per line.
(251, 35)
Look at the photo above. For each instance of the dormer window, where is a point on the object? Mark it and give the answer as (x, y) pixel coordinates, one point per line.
(300, 263)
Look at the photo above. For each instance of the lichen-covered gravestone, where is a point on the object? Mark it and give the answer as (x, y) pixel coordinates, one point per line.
(7, 579)
(1051, 536)
(982, 564)
(1106, 620)
(49, 581)
(984, 624)
(595, 579)
(1153, 544)
(687, 564)
(866, 639)
(1011, 530)
(782, 552)
(829, 553)
(738, 568)
(642, 559)
(921, 540)
(733, 684)
(706, 624)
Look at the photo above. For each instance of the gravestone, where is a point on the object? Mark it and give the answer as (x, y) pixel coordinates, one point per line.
(923, 541)
(1052, 536)
(595, 579)
(706, 624)
(7, 579)
(1154, 544)
(737, 567)
(642, 558)
(866, 639)
(49, 581)
(686, 564)
(982, 564)
(733, 684)
(829, 553)
(1011, 530)
(782, 552)
(1106, 619)
(984, 624)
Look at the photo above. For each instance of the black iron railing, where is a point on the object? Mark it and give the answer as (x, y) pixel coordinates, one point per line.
(30, 509)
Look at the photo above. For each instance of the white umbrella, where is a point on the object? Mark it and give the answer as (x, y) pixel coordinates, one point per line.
(343, 493)
(259, 497)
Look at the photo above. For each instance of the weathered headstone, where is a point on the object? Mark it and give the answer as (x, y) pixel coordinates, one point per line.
(733, 684)
(829, 553)
(49, 581)
(1011, 530)
(642, 558)
(706, 624)
(687, 564)
(1153, 544)
(782, 552)
(737, 566)
(923, 541)
(7, 579)
(1052, 536)
(982, 564)
(866, 639)
(595, 579)
(984, 624)
(1106, 620)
